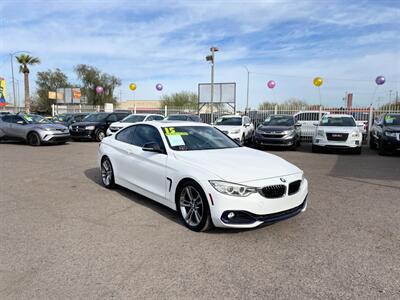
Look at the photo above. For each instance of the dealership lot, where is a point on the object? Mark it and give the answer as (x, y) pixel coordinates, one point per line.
(62, 235)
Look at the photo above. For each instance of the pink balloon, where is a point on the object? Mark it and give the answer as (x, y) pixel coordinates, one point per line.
(99, 89)
(271, 84)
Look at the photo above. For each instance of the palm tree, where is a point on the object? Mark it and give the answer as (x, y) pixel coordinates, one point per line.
(24, 60)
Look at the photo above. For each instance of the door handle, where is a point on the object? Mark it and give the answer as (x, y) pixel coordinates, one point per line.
(128, 151)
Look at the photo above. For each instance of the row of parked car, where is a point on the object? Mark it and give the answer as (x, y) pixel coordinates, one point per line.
(333, 131)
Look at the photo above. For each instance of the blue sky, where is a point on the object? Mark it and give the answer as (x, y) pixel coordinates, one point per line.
(348, 43)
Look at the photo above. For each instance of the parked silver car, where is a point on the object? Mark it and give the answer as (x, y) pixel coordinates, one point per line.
(33, 129)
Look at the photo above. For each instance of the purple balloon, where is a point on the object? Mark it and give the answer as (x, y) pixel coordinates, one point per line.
(271, 84)
(380, 80)
(159, 87)
(99, 89)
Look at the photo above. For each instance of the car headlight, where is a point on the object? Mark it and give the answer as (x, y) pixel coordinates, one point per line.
(355, 134)
(288, 132)
(232, 189)
(235, 131)
(391, 134)
(91, 127)
(320, 133)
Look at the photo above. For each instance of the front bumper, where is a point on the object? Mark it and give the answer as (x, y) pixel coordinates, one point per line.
(82, 134)
(288, 140)
(55, 137)
(391, 143)
(350, 143)
(255, 209)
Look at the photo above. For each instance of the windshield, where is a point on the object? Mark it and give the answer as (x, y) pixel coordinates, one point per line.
(177, 118)
(133, 119)
(392, 120)
(99, 117)
(337, 121)
(236, 121)
(188, 138)
(35, 119)
(279, 121)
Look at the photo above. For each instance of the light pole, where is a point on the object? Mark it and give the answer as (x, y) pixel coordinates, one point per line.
(211, 58)
(12, 71)
(248, 88)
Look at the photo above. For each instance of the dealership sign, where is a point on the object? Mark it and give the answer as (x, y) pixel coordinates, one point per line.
(2, 92)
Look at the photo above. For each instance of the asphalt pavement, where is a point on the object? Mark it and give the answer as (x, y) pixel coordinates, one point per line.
(64, 236)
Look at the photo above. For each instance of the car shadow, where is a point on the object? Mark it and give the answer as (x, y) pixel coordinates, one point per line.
(23, 143)
(94, 175)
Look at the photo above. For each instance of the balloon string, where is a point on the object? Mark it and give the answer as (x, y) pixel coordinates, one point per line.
(373, 96)
(319, 94)
(273, 95)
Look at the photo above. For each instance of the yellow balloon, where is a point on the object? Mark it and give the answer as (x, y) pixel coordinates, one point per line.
(318, 81)
(132, 86)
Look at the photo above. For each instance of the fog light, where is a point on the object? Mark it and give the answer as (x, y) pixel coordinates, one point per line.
(357, 142)
(231, 215)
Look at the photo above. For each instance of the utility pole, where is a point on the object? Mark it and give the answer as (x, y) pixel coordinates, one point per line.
(248, 88)
(211, 58)
(12, 77)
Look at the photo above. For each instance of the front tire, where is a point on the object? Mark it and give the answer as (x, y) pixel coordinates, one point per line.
(100, 135)
(372, 144)
(107, 173)
(358, 150)
(34, 139)
(193, 207)
(315, 149)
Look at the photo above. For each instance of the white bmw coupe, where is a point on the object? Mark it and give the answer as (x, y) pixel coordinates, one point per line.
(203, 174)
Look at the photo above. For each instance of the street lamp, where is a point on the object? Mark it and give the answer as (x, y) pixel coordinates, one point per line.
(210, 58)
(12, 71)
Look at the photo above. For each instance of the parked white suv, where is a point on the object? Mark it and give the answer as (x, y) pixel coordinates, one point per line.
(238, 128)
(131, 119)
(337, 132)
(307, 119)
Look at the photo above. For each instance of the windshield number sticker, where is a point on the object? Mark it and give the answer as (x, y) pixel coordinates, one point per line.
(389, 119)
(169, 131)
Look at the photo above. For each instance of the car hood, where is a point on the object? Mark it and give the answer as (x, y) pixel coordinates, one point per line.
(339, 129)
(86, 123)
(239, 165)
(274, 128)
(393, 128)
(228, 127)
(120, 124)
(51, 126)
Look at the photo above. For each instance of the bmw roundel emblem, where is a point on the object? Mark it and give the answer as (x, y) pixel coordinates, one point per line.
(283, 179)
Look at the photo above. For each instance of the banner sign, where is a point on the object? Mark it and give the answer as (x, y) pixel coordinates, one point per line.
(2, 92)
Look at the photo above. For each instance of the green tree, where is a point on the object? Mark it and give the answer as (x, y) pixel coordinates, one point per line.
(292, 102)
(24, 61)
(182, 99)
(91, 78)
(49, 81)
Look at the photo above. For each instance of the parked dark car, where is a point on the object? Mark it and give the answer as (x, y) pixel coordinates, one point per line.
(385, 133)
(278, 130)
(183, 117)
(69, 118)
(94, 126)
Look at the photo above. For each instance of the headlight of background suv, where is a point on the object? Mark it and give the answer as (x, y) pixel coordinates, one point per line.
(355, 134)
(320, 133)
(288, 132)
(391, 134)
(232, 189)
(91, 127)
(235, 131)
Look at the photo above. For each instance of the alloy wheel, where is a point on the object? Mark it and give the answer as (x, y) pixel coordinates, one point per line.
(191, 206)
(106, 173)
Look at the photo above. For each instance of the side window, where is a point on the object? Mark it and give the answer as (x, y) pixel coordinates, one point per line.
(150, 118)
(126, 135)
(246, 120)
(195, 118)
(158, 118)
(300, 117)
(145, 134)
(8, 119)
(112, 118)
(121, 116)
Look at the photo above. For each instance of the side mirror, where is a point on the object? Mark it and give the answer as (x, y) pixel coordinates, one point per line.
(21, 122)
(247, 125)
(315, 124)
(299, 125)
(152, 147)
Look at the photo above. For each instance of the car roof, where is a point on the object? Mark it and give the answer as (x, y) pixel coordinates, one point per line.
(338, 116)
(231, 116)
(164, 123)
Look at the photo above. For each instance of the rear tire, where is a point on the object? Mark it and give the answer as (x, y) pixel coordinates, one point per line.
(315, 149)
(192, 206)
(382, 150)
(34, 139)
